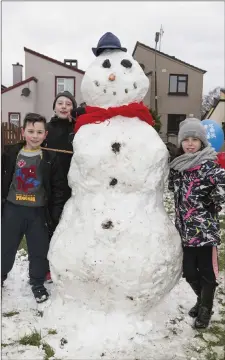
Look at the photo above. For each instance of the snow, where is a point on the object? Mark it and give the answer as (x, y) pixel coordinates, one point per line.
(171, 337)
(115, 252)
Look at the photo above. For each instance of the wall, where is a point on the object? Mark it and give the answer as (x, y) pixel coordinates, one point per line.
(171, 104)
(12, 101)
(45, 71)
(218, 114)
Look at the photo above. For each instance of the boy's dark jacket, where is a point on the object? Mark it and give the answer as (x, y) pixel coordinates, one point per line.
(53, 181)
(60, 136)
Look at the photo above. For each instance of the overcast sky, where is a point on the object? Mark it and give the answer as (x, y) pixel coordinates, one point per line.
(193, 31)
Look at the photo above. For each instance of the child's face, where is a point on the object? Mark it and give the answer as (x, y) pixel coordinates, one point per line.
(191, 145)
(34, 135)
(63, 106)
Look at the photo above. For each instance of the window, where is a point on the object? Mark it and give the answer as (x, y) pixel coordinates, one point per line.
(173, 123)
(178, 84)
(14, 118)
(65, 84)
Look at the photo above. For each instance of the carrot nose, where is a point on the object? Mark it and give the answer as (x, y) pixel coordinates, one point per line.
(112, 77)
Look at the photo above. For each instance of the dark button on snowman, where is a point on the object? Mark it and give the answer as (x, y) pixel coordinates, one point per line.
(121, 251)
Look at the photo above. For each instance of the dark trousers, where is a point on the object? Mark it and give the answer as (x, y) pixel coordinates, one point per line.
(18, 221)
(199, 265)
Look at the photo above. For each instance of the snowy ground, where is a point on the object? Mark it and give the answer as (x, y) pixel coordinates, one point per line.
(172, 337)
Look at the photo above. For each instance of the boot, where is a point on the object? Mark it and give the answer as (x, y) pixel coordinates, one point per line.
(195, 285)
(205, 310)
(40, 293)
(193, 312)
(203, 318)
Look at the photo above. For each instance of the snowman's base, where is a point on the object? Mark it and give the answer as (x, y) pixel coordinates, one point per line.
(95, 335)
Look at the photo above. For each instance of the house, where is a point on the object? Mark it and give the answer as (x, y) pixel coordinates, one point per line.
(44, 78)
(177, 93)
(217, 112)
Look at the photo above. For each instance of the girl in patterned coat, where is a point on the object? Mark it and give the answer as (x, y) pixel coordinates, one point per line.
(198, 183)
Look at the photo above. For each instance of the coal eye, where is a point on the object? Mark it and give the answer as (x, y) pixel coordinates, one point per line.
(106, 64)
(126, 63)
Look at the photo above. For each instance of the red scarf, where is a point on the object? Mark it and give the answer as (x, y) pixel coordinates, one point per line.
(96, 115)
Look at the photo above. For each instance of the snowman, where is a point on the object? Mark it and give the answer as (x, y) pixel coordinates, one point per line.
(115, 254)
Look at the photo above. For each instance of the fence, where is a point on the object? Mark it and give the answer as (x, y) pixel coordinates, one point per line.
(10, 134)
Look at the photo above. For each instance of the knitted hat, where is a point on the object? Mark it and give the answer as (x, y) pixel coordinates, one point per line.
(68, 95)
(192, 127)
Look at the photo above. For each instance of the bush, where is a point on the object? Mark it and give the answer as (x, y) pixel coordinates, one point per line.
(156, 118)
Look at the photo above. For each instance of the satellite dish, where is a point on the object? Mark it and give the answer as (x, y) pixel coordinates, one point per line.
(25, 92)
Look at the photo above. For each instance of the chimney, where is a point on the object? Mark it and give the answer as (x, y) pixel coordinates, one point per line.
(71, 62)
(17, 73)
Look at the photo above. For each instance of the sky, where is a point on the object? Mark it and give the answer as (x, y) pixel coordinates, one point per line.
(193, 31)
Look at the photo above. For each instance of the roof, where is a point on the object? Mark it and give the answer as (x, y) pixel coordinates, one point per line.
(3, 87)
(35, 53)
(168, 56)
(32, 78)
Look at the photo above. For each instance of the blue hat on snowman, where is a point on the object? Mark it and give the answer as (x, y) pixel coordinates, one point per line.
(108, 41)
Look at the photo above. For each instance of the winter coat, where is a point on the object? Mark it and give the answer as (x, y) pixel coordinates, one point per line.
(198, 194)
(53, 181)
(60, 136)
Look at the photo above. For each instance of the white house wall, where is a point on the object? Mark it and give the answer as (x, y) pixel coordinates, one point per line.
(218, 114)
(45, 71)
(13, 102)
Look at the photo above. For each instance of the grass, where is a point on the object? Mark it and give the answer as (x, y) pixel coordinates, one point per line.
(211, 356)
(205, 347)
(49, 352)
(10, 313)
(23, 244)
(34, 339)
(217, 331)
(52, 332)
(5, 345)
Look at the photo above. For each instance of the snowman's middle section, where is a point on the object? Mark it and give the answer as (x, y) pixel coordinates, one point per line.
(119, 155)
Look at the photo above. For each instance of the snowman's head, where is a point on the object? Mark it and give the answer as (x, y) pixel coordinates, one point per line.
(113, 79)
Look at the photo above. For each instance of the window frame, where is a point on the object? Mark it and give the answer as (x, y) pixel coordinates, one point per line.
(170, 132)
(14, 113)
(65, 77)
(179, 93)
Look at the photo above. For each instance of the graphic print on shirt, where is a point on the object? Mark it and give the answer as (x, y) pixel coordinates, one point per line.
(26, 178)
